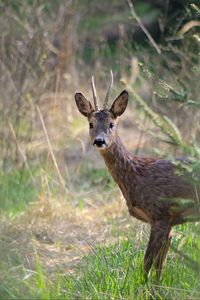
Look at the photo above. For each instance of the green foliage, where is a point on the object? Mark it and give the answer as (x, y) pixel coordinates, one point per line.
(174, 91)
(166, 91)
(96, 177)
(17, 190)
(19, 6)
(164, 123)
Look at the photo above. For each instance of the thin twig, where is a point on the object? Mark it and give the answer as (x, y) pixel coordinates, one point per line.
(135, 16)
(21, 152)
(51, 150)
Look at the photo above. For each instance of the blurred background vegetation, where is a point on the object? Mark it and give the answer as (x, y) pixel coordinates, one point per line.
(50, 178)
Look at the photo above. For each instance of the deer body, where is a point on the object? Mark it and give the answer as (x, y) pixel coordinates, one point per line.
(146, 184)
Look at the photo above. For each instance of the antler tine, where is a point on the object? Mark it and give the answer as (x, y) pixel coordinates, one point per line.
(96, 105)
(108, 91)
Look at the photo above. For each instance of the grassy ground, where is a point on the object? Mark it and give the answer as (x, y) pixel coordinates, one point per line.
(84, 245)
(43, 269)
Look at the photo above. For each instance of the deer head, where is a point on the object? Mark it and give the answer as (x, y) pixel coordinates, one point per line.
(102, 123)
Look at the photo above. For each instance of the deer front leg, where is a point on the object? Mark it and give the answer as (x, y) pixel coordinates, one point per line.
(158, 247)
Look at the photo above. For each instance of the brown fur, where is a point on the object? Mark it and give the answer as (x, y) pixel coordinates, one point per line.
(149, 186)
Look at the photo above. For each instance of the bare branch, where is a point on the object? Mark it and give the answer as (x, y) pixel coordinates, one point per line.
(135, 16)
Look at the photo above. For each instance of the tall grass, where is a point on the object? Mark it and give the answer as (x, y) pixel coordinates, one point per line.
(109, 272)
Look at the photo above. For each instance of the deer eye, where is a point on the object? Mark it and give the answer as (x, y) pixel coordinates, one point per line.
(111, 125)
(91, 125)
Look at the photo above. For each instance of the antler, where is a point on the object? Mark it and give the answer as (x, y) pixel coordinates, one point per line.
(105, 106)
(96, 105)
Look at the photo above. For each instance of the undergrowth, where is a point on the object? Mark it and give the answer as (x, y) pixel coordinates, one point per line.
(109, 272)
(18, 189)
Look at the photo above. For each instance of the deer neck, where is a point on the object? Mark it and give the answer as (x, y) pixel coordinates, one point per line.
(119, 162)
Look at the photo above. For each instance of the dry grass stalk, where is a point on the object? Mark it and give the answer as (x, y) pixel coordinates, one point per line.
(51, 150)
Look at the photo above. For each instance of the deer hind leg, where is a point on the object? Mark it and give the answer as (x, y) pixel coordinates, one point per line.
(158, 247)
(159, 261)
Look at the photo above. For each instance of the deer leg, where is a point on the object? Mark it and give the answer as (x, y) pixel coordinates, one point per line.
(158, 246)
(160, 259)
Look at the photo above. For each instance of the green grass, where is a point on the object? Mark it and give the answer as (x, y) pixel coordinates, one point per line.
(97, 177)
(109, 272)
(17, 190)
(116, 272)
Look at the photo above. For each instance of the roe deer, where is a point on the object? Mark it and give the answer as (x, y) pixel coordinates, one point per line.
(145, 182)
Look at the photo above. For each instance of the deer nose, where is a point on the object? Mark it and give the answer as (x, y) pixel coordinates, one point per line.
(99, 142)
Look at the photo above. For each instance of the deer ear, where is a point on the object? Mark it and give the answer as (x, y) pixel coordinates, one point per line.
(120, 104)
(84, 106)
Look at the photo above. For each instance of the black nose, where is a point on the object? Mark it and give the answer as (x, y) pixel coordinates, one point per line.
(99, 142)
